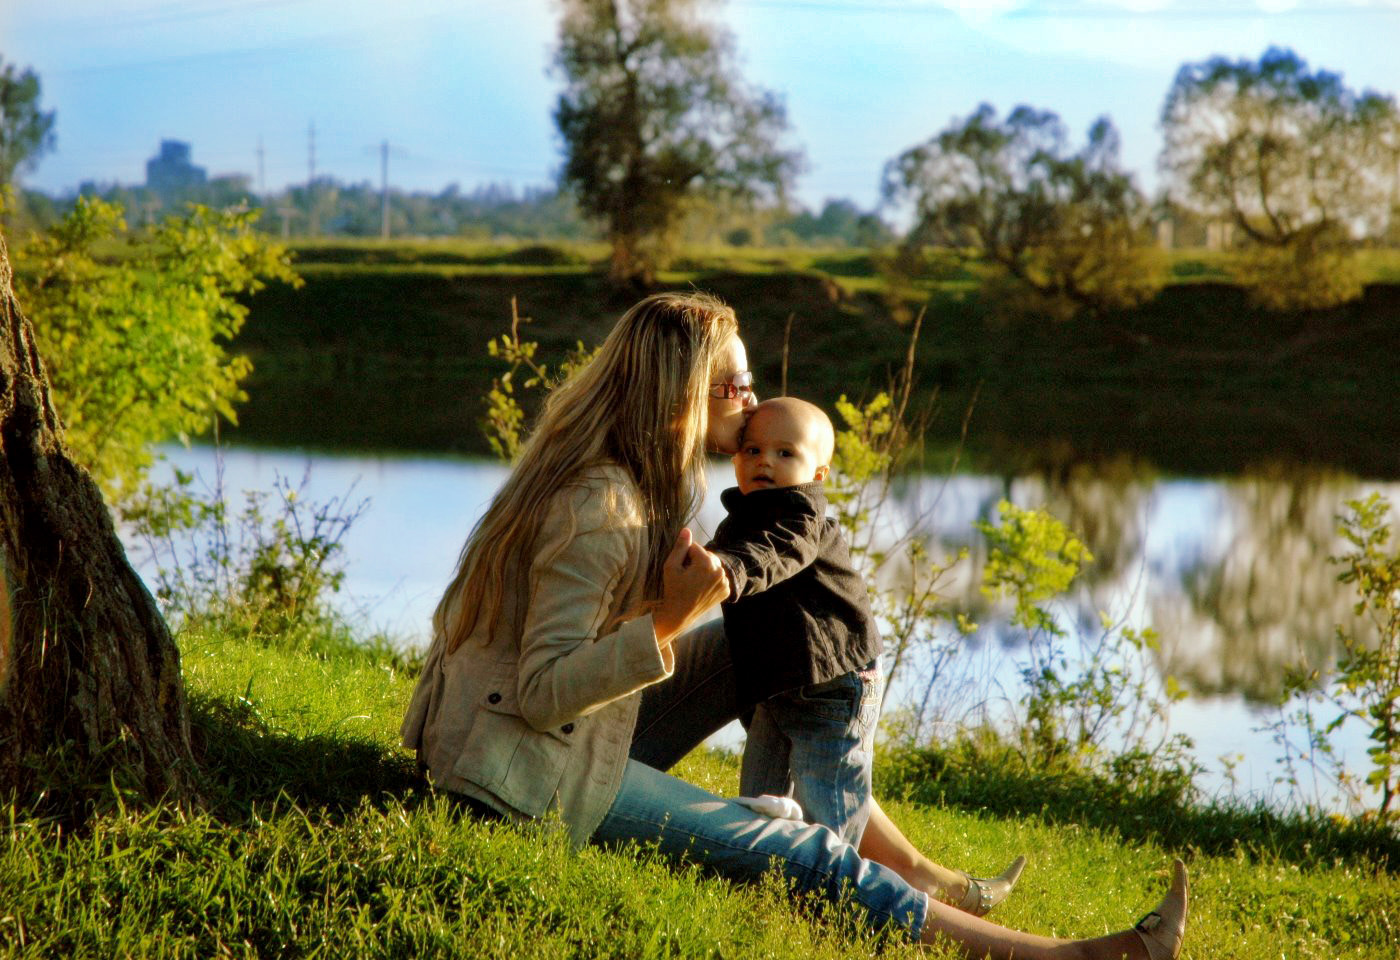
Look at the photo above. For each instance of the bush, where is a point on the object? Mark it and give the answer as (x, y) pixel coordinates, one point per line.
(266, 572)
(136, 349)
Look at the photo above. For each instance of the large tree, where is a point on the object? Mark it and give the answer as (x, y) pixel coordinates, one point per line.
(90, 687)
(1056, 232)
(653, 116)
(1302, 166)
(26, 132)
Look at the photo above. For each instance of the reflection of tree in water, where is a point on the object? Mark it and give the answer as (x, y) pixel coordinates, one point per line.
(1253, 593)
(1105, 504)
(1265, 596)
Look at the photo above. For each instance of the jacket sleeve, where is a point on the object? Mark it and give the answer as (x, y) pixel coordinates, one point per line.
(567, 670)
(756, 557)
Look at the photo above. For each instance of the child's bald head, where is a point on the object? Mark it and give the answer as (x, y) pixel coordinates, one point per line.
(786, 442)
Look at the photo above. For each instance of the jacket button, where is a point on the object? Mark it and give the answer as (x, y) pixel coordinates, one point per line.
(567, 728)
(494, 698)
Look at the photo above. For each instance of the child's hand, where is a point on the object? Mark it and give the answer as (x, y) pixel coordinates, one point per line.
(692, 581)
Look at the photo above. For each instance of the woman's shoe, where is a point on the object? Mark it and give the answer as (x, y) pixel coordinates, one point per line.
(982, 895)
(1163, 929)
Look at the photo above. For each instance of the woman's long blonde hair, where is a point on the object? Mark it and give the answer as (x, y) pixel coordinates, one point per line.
(640, 403)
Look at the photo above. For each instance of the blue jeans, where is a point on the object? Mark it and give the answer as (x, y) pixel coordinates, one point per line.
(677, 715)
(816, 745)
(697, 700)
(683, 822)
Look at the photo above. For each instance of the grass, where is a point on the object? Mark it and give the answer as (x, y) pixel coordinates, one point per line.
(319, 842)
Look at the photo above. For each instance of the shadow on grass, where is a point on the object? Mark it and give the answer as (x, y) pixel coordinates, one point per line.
(248, 766)
(1137, 812)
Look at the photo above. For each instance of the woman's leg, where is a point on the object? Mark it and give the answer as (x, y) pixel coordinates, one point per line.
(885, 843)
(697, 700)
(683, 821)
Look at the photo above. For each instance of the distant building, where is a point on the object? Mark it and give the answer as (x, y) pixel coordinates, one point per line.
(171, 172)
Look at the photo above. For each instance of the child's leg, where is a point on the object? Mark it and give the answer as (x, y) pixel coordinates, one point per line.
(831, 727)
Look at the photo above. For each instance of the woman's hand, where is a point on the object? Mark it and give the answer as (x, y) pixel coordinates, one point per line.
(692, 581)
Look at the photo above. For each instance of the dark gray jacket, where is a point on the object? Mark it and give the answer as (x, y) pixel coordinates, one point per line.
(799, 612)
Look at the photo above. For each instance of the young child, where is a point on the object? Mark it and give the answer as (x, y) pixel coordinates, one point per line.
(804, 644)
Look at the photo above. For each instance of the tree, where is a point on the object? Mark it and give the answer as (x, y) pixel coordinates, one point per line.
(138, 347)
(90, 685)
(652, 117)
(1055, 232)
(26, 132)
(1302, 166)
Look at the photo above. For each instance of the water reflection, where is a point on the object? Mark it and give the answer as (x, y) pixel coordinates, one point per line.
(1234, 574)
(1265, 595)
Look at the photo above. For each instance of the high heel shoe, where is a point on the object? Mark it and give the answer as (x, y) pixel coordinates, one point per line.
(1162, 930)
(982, 895)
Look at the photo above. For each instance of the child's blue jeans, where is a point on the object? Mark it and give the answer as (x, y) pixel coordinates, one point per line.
(830, 726)
(816, 745)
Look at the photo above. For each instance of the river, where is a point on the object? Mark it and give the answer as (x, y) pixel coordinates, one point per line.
(1232, 573)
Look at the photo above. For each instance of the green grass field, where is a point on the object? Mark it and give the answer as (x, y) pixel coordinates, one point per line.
(318, 842)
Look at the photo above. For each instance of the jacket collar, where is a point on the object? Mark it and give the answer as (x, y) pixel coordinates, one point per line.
(775, 498)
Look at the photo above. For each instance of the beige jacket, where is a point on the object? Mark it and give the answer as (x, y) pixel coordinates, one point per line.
(541, 717)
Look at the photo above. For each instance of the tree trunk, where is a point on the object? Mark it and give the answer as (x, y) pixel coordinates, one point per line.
(629, 271)
(90, 685)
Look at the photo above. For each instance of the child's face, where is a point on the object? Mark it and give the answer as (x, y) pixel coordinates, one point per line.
(778, 449)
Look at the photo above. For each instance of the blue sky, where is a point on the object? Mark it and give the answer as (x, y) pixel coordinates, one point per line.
(461, 88)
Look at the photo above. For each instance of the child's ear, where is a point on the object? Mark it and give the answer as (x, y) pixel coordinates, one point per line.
(822, 471)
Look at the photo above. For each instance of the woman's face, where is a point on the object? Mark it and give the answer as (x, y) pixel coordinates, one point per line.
(727, 415)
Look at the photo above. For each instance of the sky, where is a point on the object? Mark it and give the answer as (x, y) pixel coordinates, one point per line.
(462, 91)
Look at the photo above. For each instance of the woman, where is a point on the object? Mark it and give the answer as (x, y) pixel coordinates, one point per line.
(572, 595)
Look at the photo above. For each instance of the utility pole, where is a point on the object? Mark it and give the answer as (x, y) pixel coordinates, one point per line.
(384, 190)
(312, 227)
(262, 180)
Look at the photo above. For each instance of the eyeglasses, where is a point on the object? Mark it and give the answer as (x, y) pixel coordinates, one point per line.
(738, 386)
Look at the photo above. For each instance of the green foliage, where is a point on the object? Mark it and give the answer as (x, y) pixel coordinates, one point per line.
(26, 132)
(1367, 682)
(1312, 271)
(872, 450)
(1363, 687)
(1094, 709)
(653, 118)
(266, 572)
(504, 420)
(1053, 233)
(137, 349)
(1032, 558)
(1301, 165)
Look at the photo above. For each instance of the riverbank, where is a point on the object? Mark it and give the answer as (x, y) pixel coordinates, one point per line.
(384, 349)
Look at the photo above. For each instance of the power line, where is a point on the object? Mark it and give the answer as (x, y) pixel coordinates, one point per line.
(1248, 10)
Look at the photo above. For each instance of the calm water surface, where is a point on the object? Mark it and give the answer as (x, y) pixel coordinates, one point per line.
(1232, 573)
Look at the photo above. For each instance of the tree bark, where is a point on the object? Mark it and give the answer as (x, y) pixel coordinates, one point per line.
(90, 684)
